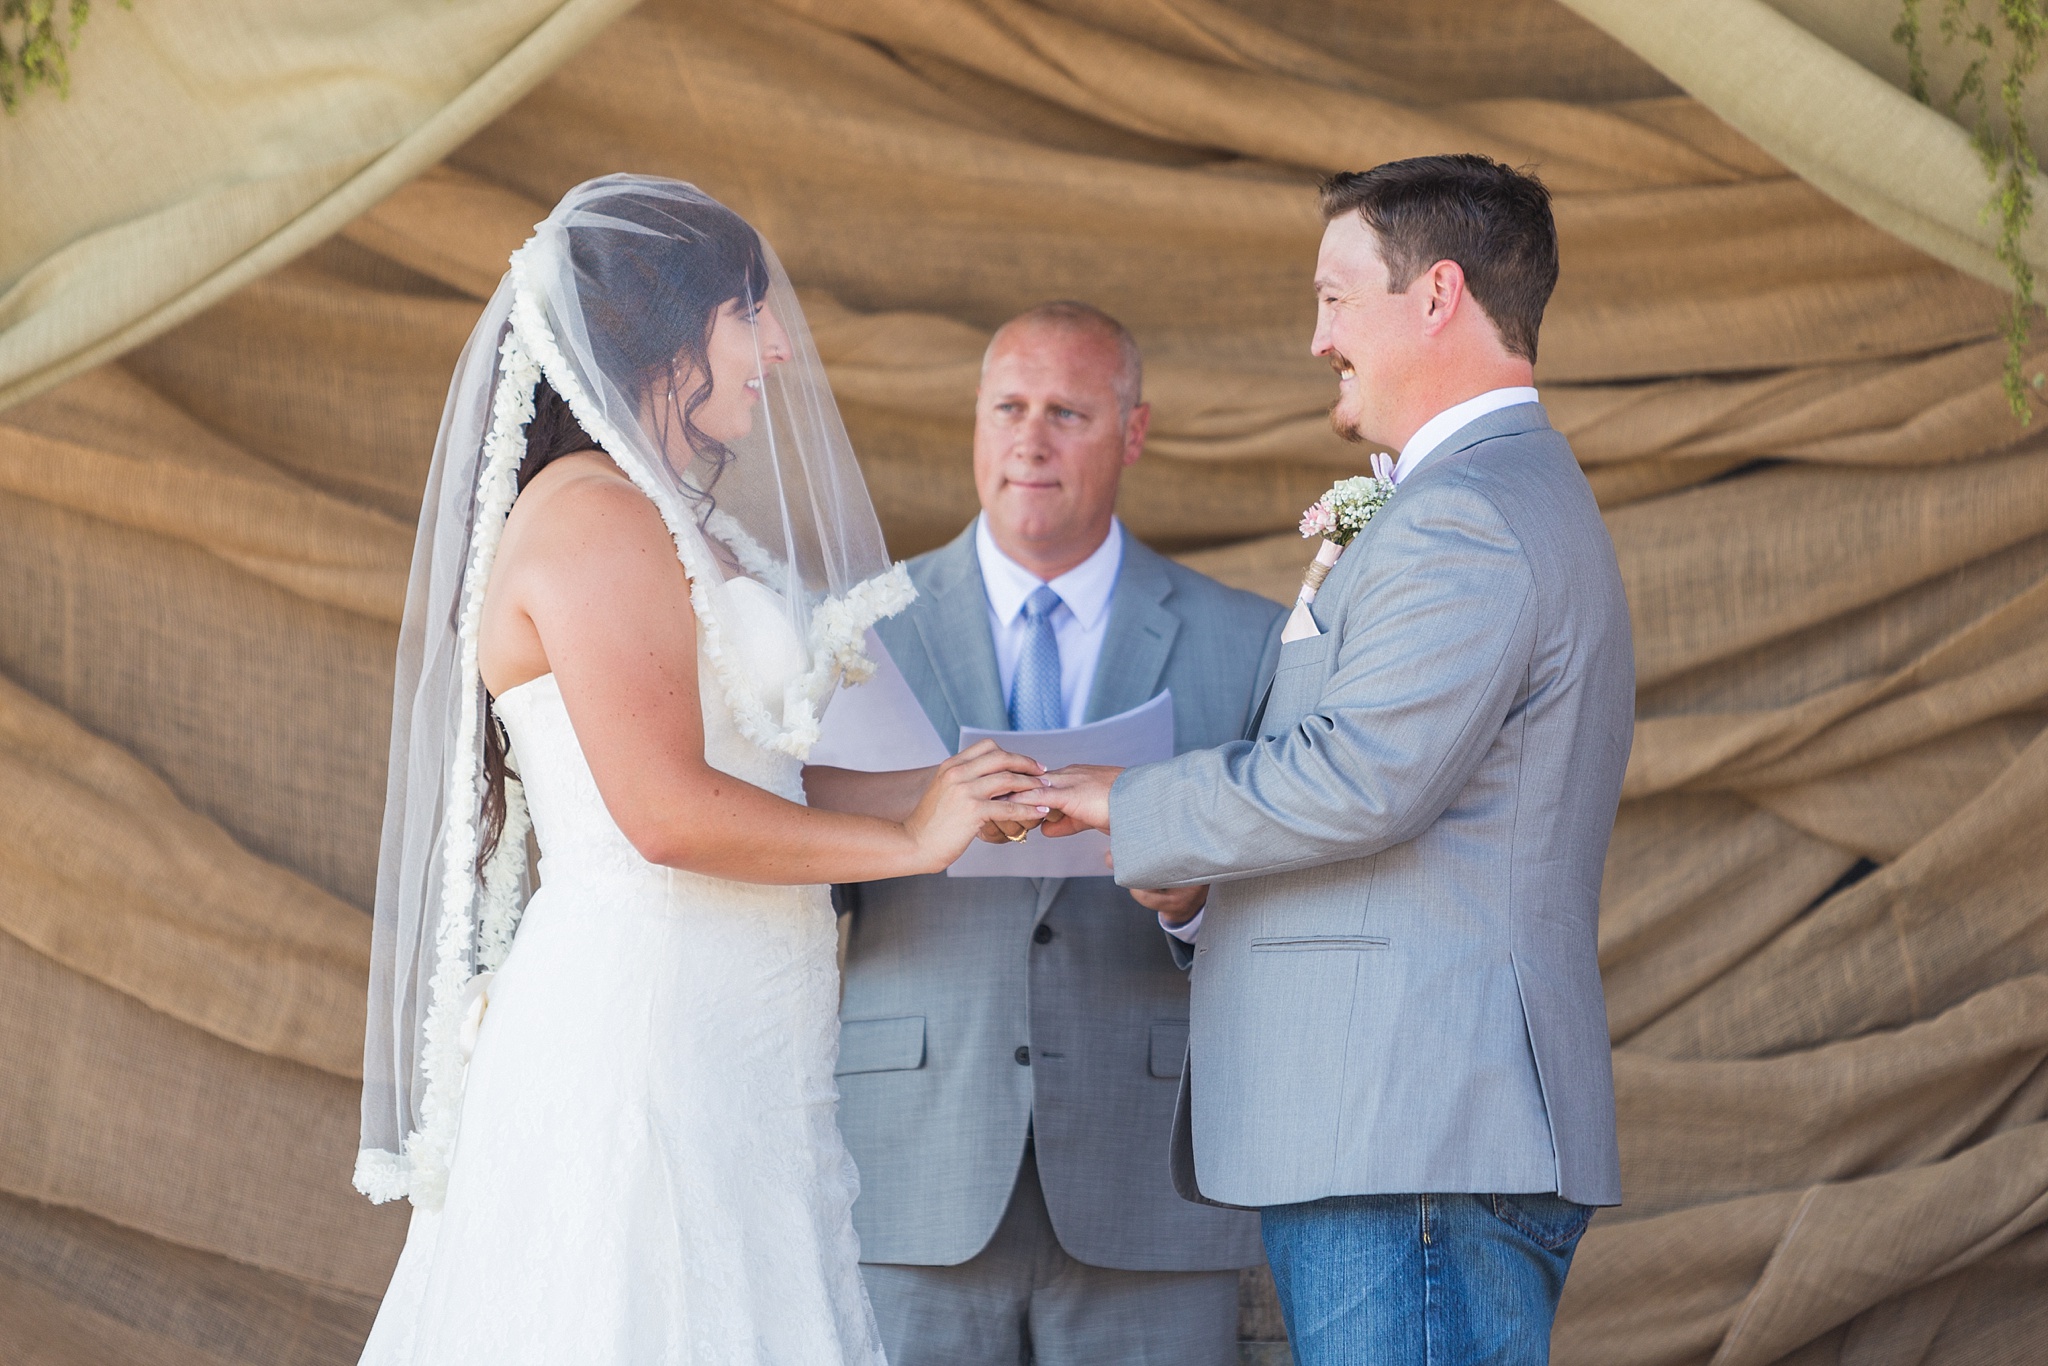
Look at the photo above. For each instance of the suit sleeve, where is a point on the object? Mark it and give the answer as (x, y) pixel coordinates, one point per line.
(1434, 638)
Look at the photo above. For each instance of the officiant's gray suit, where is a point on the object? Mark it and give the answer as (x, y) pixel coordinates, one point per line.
(1395, 982)
(978, 1011)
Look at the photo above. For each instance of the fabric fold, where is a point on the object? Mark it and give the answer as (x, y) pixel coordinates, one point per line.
(110, 874)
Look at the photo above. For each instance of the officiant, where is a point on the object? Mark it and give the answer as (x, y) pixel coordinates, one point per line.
(1011, 1046)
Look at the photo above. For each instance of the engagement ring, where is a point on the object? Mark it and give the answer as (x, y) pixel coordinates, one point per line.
(1017, 838)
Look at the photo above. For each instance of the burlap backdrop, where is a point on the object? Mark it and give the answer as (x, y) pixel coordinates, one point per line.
(1823, 930)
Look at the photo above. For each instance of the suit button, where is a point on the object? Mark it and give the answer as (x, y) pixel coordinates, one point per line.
(1042, 935)
(1023, 1055)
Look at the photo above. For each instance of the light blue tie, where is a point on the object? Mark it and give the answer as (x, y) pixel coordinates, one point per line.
(1035, 692)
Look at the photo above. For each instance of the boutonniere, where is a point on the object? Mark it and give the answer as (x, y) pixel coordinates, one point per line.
(1337, 517)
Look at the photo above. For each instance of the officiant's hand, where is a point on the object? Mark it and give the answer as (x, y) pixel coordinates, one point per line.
(1079, 797)
(1174, 905)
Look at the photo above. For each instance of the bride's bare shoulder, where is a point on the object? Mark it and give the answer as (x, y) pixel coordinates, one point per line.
(584, 480)
(580, 535)
(585, 562)
(583, 503)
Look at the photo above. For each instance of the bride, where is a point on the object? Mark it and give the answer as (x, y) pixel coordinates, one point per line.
(617, 1125)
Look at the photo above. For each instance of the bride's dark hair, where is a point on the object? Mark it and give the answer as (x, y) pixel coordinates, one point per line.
(651, 290)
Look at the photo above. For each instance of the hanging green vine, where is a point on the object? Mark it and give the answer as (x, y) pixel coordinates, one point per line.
(35, 49)
(2003, 143)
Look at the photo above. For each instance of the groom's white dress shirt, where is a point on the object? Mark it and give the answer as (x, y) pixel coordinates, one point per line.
(1420, 447)
(1451, 420)
(1079, 623)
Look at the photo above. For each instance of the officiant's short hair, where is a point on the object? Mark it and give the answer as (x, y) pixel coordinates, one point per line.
(1493, 220)
(1072, 315)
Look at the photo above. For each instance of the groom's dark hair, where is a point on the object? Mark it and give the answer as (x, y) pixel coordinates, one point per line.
(1493, 220)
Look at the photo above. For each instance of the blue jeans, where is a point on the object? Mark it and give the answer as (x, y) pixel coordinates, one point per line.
(1422, 1280)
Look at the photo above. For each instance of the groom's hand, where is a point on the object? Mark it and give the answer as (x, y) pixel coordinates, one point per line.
(1079, 797)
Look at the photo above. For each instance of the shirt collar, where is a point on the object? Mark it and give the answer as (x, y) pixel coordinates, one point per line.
(1445, 424)
(1085, 589)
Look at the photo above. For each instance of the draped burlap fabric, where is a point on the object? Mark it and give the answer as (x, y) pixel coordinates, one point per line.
(224, 137)
(1823, 928)
(1822, 85)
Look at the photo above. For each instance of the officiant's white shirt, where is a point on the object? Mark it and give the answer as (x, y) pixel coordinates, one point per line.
(1078, 624)
(1420, 447)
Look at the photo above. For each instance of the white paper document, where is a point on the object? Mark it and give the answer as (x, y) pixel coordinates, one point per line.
(877, 726)
(1142, 735)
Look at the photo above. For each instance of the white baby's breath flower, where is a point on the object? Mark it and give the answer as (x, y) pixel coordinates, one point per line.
(1354, 502)
(1342, 513)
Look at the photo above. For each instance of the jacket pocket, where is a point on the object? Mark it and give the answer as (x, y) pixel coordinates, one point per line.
(1299, 654)
(1310, 943)
(1169, 1049)
(894, 1045)
(1297, 683)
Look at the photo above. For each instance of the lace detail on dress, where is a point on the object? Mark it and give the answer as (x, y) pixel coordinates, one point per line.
(649, 1167)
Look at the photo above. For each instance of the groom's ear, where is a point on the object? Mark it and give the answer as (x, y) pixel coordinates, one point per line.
(1444, 287)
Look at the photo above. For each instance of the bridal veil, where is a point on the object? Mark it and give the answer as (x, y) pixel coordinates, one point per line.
(784, 505)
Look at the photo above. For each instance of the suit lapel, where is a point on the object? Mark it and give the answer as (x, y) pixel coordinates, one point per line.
(951, 621)
(1048, 891)
(1251, 730)
(1139, 638)
(1513, 420)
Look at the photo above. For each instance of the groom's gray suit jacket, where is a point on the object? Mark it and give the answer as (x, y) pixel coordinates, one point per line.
(1395, 985)
(979, 1009)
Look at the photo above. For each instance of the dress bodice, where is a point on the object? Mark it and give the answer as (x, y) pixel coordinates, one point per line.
(570, 820)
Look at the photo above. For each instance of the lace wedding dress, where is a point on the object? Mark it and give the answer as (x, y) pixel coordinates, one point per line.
(649, 1168)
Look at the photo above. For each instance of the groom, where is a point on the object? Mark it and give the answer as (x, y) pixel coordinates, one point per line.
(1399, 1047)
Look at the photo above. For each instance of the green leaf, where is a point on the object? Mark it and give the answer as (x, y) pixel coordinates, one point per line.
(2007, 153)
(39, 53)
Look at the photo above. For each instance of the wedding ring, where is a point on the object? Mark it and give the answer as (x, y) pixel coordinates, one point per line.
(1017, 838)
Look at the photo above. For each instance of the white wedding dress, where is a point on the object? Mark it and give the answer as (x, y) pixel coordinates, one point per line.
(649, 1168)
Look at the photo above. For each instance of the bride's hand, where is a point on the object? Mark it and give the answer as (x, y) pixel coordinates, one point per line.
(966, 794)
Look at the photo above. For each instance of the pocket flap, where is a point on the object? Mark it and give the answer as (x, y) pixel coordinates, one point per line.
(1310, 943)
(1299, 654)
(1169, 1049)
(893, 1045)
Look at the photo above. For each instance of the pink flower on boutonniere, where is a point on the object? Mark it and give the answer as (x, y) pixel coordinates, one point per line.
(1319, 520)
